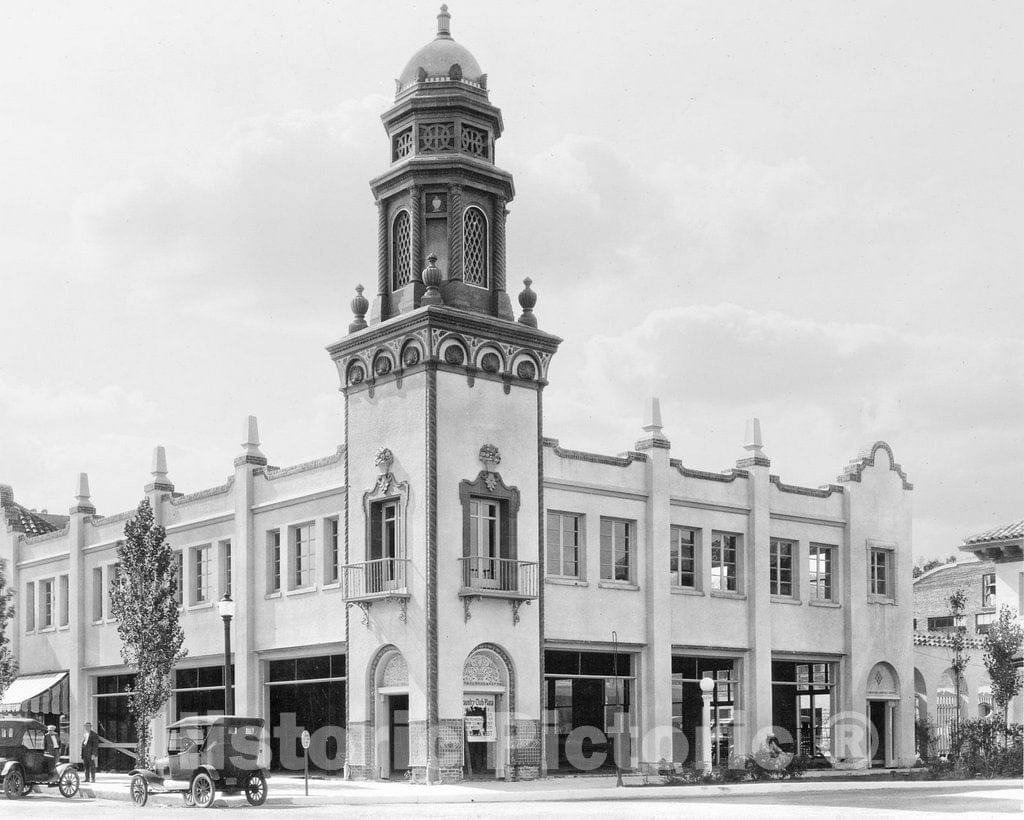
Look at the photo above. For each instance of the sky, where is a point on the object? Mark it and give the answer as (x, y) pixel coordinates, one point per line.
(805, 212)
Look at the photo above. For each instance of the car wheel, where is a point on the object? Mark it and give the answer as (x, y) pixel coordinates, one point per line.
(14, 784)
(67, 783)
(203, 790)
(139, 790)
(256, 789)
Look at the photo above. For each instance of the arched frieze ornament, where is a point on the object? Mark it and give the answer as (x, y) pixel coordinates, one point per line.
(490, 359)
(481, 669)
(383, 364)
(525, 367)
(396, 673)
(883, 682)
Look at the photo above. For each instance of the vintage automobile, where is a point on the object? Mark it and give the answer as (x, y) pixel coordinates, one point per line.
(206, 755)
(22, 764)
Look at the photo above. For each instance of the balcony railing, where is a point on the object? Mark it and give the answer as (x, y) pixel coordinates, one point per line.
(376, 580)
(499, 577)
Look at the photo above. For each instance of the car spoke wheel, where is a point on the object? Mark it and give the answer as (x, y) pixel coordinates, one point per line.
(139, 790)
(203, 791)
(67, 783)
(256, 789)
(14, 784)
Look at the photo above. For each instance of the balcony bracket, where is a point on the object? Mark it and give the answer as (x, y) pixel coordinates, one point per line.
(465, 606)
(516, 603)
(365, 607)
(402, 601)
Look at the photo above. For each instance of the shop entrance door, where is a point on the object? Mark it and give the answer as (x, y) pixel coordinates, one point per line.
(880, 740)
(398, 734)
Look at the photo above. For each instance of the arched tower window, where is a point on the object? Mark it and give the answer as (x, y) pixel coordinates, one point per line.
(401, 251)
(475, 251)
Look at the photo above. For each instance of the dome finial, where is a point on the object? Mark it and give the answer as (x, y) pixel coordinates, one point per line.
(443, 24)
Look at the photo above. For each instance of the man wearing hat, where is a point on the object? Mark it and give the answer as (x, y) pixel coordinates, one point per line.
(51, 748)
(90, 748)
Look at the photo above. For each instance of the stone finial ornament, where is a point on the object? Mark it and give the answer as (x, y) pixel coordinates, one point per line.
(489, 456)
(432, 281)
(384, 459)
(252, 438)
(752, 441)
(652, 415)
(159, 471)
(360, 304)
(444, 29)
(82, 499)
(528, 301)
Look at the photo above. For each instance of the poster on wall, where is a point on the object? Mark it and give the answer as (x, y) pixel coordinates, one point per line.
(478, 715)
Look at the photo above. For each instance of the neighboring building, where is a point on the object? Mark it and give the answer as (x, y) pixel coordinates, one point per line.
(462, 593)
(994, 577)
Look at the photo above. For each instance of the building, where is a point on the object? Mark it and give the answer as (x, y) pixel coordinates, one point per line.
(453, 593)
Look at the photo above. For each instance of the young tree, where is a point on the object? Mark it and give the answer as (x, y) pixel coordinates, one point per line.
(1002, 643)
(8, 665)
(144, 604)
(958, 643)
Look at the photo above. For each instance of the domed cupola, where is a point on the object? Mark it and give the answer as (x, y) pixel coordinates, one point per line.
(441, 60)
(443, 195)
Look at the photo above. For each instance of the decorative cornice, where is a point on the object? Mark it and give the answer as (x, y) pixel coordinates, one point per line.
(259, 461)
(594, 458)
(821, 492)
(159, 486)
(754, 461)
(653, 443)
(177, 501)
(866, 458)
(323, 461)
(725, 477)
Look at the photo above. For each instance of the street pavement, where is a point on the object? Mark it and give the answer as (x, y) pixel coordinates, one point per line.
(562, 797)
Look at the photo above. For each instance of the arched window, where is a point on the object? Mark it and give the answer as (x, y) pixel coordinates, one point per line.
(474, 256)
(401, 251)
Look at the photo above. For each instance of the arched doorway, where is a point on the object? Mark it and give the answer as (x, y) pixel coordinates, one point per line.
(883, 698)
(391, 710)
(950, 708)
(487, 698)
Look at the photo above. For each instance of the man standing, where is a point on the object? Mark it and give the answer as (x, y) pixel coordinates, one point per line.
(51, 749)
(90, 748)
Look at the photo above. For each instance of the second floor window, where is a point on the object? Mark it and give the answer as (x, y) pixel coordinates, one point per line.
(302, 556)
(725, 561)
(880, 579)
(179, 577)
(274, 561)
(819, 572)
(333, 550)
(30, 606)
(780, 573)
(683, 557)
(97, 594)
(201, 575)
(564, 543)
(384, 530)
(64, 594)
(982, 622)
(46, 603)
(988, 589)
(617, 550)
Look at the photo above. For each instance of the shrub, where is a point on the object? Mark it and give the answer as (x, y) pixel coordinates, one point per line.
(982, 748)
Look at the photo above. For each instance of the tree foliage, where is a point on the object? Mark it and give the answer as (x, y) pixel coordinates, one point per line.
(144, 603)
(1002, 644)
(8, 665)
(958, 643)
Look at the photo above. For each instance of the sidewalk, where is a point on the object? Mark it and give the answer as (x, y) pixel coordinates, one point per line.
(289, 790)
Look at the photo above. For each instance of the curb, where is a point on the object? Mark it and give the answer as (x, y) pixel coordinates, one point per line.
(580, 795)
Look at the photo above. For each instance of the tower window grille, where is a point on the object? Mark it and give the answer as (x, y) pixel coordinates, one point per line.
(437, 136)
(474, 257)
(401, 251)
(402, 145)
(474, 141)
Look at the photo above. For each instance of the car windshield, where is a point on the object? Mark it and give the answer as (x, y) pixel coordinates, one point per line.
(185, 739)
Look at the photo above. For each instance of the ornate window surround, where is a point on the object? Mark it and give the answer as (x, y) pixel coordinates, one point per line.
(387, 488)
(489, 485)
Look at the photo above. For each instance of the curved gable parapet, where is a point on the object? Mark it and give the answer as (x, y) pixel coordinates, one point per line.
(594, 458)
(726, 477)
(274, 473)
(103, 520)
(866, 458)
(178, 500)
(47, 536)
(813, 492)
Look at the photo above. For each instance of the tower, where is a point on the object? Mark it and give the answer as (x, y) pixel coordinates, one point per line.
(443, 410)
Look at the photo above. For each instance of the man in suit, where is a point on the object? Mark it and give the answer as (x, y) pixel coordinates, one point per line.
(90, 748)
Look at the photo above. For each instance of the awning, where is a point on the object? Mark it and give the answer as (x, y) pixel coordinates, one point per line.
(37, 694)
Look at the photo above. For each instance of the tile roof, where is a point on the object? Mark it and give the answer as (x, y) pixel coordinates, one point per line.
(28, 522)
(1002, 533)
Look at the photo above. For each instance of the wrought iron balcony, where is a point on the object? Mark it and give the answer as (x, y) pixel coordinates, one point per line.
(377, 580)
(507, 578)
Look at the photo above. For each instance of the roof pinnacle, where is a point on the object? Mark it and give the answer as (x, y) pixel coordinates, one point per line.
(444, 24)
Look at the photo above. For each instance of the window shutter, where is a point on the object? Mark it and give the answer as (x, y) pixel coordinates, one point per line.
(376, 546)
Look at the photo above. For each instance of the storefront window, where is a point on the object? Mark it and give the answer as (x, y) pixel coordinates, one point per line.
(199, 691)
(688, 704)
(802, 706)
(308, 693)
(593, 691)
(113, 723)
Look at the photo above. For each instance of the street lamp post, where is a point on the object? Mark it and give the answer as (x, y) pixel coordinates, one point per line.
(226, 608)
(707, 686)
